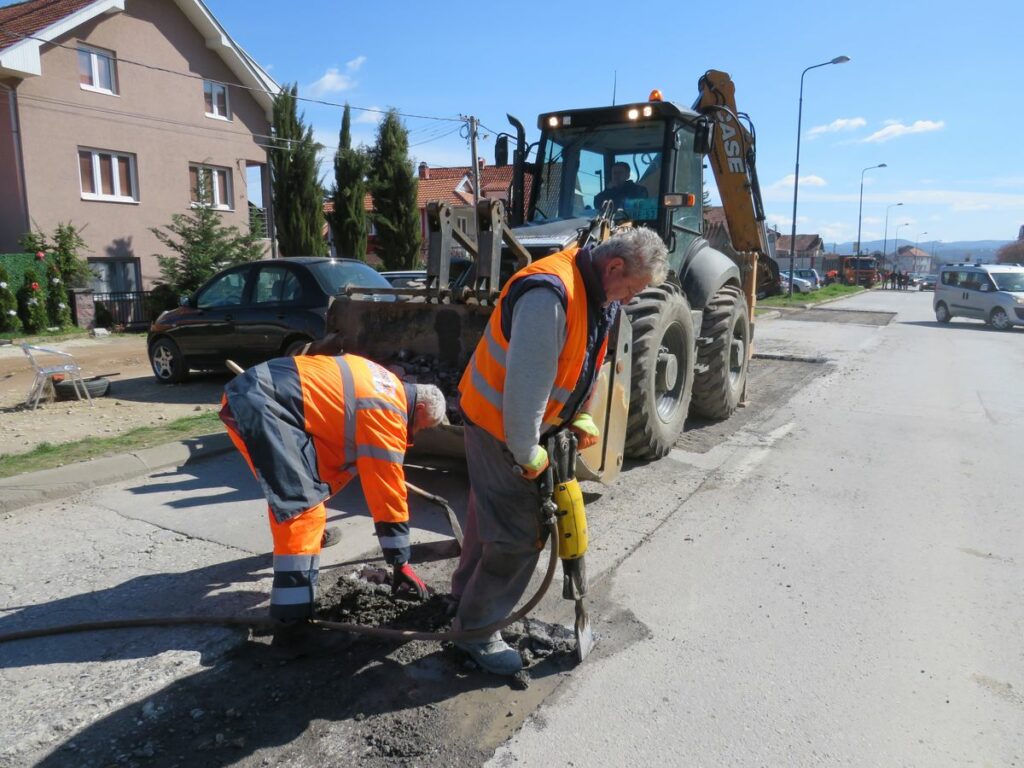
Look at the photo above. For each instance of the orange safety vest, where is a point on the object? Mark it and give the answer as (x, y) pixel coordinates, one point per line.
(312, 423)
(483, 382)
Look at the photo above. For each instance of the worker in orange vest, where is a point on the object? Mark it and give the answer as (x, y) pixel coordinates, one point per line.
(306, 426)
(532, 374)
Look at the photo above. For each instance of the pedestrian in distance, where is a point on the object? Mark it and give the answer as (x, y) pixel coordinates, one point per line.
(307, 425)
(531, 375)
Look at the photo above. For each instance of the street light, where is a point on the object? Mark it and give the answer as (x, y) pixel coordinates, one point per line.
(796, 174)
(860, 209)
(885, 237)
(896, 247)
(915, 248)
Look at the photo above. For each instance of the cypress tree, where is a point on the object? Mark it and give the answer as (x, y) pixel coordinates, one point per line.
(393, 185)
(348, 221)
(298, 198)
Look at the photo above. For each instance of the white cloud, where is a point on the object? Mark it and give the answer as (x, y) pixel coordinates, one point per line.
(837, 125)
(369, 118)
(786, 182)
(894, 129)
(336, 81)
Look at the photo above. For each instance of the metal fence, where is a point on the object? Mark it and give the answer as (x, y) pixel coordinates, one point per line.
(126, 308)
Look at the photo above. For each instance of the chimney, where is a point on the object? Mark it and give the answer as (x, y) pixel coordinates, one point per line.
(424, 171)
(481, 162)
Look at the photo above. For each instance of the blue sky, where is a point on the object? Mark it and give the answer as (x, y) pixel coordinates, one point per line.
(935, 91)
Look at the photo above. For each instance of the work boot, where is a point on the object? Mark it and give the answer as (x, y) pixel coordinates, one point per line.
(291, 633)
(331, 537)
(493, 655)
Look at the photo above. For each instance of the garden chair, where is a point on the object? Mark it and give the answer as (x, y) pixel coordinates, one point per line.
(67, 368)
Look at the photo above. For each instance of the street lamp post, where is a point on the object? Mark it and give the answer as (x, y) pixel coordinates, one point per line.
(916, 242)
(896, 247)
(796, 173)
(860, 208)
(885, 236)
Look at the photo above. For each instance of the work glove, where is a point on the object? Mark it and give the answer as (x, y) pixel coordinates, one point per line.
(537, 464)
(586, 431)
(404, 580)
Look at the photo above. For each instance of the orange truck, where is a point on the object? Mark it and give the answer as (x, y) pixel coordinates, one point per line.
(860, 270)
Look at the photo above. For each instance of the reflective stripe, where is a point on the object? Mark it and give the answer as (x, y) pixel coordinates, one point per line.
(296, 562)
(494, 348)
(348, 389)
(489, 393)
(393, 542)
(291, 595)
(376, 452)
(379, 404)
(560, 394)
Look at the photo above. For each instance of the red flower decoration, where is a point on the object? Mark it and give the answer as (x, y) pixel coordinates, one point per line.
(35, 286)
(40, 255)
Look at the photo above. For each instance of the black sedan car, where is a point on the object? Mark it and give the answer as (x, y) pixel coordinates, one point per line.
(251, 313)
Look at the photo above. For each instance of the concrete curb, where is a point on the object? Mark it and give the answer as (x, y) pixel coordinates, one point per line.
(51, 484)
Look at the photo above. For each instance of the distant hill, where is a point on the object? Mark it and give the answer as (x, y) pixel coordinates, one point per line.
(964, 250)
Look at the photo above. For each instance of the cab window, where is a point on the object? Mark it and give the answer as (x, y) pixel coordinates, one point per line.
(225, 291)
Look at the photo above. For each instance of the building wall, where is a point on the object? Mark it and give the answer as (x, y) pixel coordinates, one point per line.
(157, 116)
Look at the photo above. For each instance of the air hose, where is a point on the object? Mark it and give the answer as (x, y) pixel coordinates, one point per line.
(268, 624)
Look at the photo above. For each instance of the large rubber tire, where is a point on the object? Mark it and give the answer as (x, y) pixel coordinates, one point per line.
(167, 362)
(722, 355)
(67, 390)
(663, 357)
(942, 313)
(295, 346)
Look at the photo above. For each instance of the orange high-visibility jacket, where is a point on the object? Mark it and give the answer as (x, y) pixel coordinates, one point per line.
(312, 423)
(483, 382)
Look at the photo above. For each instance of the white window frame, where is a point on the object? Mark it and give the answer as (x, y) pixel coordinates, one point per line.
(216, 188)
(214, 85)
(117, 197)
(94, 56)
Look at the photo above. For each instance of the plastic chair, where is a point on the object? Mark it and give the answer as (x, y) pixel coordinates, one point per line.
(69, 368)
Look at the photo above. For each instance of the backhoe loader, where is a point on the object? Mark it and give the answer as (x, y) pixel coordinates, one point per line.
(680, 346)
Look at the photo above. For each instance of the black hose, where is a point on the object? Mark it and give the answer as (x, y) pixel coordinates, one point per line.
(269, 624)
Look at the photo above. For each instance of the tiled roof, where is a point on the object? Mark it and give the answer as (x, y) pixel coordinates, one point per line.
(34, 16)
(803, 242)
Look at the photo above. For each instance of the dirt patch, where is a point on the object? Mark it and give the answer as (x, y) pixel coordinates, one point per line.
(855, 316)
(135, 399)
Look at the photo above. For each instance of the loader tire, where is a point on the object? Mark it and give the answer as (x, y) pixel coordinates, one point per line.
(722, 355)
(663, 360)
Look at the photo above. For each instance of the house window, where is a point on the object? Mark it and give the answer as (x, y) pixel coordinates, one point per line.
(97, 69)
(107, 175)
(216, 100)
(210, 185)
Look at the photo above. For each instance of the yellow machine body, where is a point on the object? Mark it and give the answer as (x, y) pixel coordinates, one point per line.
(572, 520)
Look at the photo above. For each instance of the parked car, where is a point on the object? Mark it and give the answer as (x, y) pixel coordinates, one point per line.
(990, 292)
(927, 283)
(799, 284)
(251, 313)
(811, 276)
(417, 278)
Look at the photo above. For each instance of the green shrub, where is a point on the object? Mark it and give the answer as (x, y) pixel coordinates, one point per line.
(57, 308)
(32, 303)
(9, 320)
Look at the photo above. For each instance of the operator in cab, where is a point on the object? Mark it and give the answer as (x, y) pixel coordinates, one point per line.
(620, 189)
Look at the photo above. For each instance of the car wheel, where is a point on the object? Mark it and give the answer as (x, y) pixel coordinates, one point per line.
(167, 362)
(942, 312)
(295, 346)
(999, 319)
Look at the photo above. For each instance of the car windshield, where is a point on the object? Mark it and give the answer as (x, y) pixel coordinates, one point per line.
(335, 276)
(1009, 281)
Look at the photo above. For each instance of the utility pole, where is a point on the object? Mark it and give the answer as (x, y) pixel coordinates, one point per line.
(476, 164)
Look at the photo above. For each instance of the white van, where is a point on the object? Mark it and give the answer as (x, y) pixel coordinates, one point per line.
(993, 293)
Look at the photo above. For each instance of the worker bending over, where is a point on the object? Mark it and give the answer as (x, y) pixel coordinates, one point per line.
(307, 425)
(531, 375)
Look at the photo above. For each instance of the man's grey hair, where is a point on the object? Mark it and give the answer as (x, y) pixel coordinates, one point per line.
(433, 399)
(640, 248)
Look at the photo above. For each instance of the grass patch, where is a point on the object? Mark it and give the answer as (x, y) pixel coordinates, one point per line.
(829, 292)
(50, 455)
(62, 335)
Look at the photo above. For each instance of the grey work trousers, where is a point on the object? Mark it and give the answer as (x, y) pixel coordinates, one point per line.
(502, 536)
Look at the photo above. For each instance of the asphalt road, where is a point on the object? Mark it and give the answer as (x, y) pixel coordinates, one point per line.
(831, 578)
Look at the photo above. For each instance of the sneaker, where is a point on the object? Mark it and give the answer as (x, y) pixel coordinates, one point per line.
(331, 537)
(493, 655)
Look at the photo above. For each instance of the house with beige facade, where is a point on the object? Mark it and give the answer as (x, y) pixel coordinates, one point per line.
(116, 114)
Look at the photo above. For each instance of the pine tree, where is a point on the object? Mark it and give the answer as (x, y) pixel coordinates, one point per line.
(9, 320)
(393, 185)
(298, 197)
(32, 303)
(203, 246)
(57, 309)
(348, 222)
